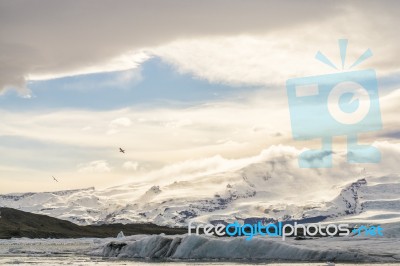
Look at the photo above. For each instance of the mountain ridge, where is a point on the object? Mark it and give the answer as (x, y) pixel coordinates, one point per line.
(262, 189)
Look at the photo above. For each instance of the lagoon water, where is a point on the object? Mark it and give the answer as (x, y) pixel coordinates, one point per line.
(89, 261)
(75, 252)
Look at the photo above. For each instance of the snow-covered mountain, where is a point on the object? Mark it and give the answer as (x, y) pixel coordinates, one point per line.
(269, 187)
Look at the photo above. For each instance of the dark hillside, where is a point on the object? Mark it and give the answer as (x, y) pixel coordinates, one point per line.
(16, 223)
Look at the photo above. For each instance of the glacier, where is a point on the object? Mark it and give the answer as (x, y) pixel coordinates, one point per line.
(372, 199)
(268, 187)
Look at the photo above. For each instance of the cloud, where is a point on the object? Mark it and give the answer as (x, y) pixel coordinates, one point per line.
(158, 136)
(128, 61)
(166, 135)
(56, 38)
(393, 134)
(117, 124)
(100, 166)
(244, 128)
(178, 123)
(272, 59)
(289, 183)
(131, 165)
(49, 39)
(390, 158)
(122, 121)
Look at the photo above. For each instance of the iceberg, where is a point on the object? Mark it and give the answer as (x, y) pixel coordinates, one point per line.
(198, 247)
(120, 235)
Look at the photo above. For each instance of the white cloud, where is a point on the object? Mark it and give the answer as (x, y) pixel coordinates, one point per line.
(131, 165)
(276, 57)
(244, 129)
(115, 125)
(129, 60)
(122, 121)
(178, 123)
(390, 152)
(100, 166)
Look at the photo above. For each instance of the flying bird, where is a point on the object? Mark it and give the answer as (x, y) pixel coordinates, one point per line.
(121, 150)
(55, 179)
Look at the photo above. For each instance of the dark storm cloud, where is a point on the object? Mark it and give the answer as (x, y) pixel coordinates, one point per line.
(48, 36)
(52, 36)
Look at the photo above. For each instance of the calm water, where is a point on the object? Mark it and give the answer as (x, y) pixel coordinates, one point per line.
(84, 261)
(71, 252)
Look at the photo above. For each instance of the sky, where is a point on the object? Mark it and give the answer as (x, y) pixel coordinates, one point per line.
(177, 84)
